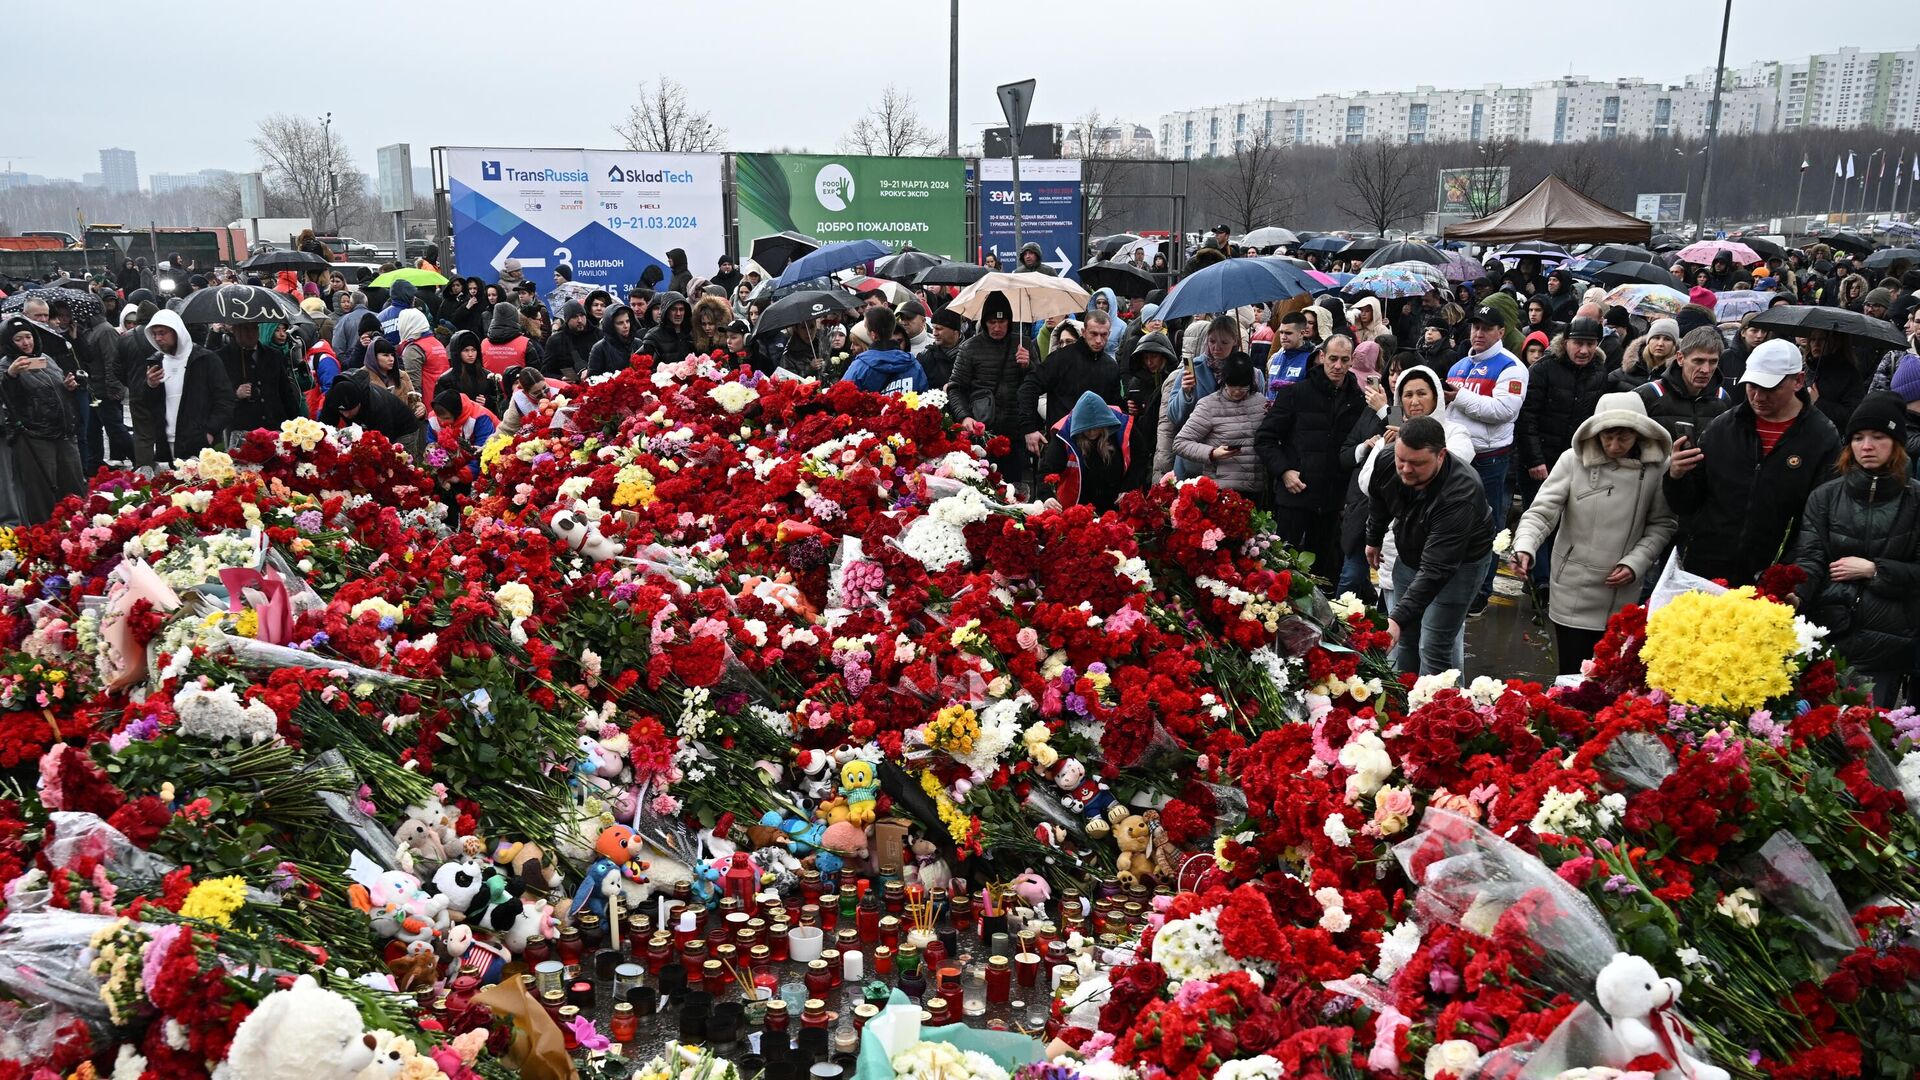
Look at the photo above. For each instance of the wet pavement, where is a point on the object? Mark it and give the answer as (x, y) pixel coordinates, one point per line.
(1509, 640)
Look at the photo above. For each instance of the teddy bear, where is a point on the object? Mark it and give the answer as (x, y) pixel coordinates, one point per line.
(419, 839)
(388, 1056)
(1636, 999)
(301, 1033)
(1133, 836)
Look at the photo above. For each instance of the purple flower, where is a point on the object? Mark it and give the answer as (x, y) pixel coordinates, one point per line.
(1618, 883)
(309, 520)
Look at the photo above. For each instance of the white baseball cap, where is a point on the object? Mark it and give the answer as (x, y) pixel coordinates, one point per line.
(1772, 361)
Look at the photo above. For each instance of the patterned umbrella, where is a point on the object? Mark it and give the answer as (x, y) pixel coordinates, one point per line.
(1729, 306)
(1648, 300)
(1704, 252)
(82, 304)
(1400, 279)
(1461, 266)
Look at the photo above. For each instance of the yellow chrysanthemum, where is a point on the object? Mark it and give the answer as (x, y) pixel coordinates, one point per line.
(959, 825)
(215, 900)
(633, 486)
(1732, 651)
(953, 729)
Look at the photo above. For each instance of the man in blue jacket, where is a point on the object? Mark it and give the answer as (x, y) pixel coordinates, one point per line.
(399, 299)
(885, 371)
(1291, 355)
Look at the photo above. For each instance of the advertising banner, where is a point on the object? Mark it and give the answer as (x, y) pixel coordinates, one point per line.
(609, 214)
(1049, 212)
(920, 201)
(1661, 207)
(1473, 191)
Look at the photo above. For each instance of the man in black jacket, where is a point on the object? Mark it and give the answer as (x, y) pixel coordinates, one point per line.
(1443, 532)
(1689, 394)
(353, 400)
(186, 391)
(937, 359)
(1740, 491)
(571, 342)
(988, 371)
(1061, 378)
(1299, 443)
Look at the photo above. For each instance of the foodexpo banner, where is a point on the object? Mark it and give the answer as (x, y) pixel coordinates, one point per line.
(609, 214)
(1049, 212)
(898, 201)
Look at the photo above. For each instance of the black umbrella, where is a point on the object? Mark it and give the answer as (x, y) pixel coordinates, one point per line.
(1764, 247)
(235, 304)
(1619, 253)
(803, 306)
(274, 261)
(1666, 242)
(1106, 246)
(1323, 245)
(767, 292)
(1886, 257)
(903, 266)
(1847, 241)
(951, 273)
(1793, 318)
(1631, 272)
(1125, 279)
(1535, 247)
(773, 253)
(1402, 251)
(1362, 248)
(83, 304)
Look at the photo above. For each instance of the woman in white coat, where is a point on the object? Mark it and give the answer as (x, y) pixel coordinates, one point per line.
(1604, 496)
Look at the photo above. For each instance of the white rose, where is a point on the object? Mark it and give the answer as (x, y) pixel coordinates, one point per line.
(1456, 1056)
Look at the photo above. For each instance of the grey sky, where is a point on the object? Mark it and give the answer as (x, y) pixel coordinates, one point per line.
(184, 83)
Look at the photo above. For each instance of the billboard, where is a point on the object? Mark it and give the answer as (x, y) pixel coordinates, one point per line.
(1661, 207)
(609, 214)
(1049, 211)
(907, 200)
(1473, 191)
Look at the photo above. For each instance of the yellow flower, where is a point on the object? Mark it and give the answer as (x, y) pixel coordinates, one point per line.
(215, 900)
(1732, 651)
(959, 825)
(247, 623)
(953, 729)
(633, 486)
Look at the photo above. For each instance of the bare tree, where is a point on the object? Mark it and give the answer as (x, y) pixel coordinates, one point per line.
(892, 128)
(307, 165)
(1489, 184)
(664, 122)
(1250, 189)
(1587, 170)
(1107, 165)
(1382, 182)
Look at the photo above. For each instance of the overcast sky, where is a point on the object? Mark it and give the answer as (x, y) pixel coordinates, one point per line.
(184, 83)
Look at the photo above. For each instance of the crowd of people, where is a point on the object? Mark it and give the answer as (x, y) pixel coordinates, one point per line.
(1395, 441)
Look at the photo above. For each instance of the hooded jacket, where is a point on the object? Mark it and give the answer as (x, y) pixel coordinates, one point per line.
(400, 298)
(680, 277)
(1609, 513)
(720, 313)
(1113, 314)
(612, 352)
(421, 353)
(1302, 432)
(36, 401)
(1141, 386)
(1739, 510)
(1560, 394)
(1379, 326)
(886, 371)
(1039, 266)
(195, 401)
(570, 351)
(474, 380)
(506, 345)
(346, 336)
(1874, 622)
(1094, 479)
(664, 343)
(989, 368)
(379, 410)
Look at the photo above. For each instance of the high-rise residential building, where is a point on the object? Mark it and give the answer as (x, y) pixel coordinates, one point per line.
(118, 171)
(1841, 89)
(92, 179)
(161, 183)
(1847, 88)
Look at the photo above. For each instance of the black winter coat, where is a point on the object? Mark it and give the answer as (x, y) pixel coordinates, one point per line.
(612, 352)
(1873, 622)
(1061, 378)
(1142, 387)
(988, 366)
(1437, 529)
(1560, 394)
(1303, 431)
(665, 344)
(273, 399)
(1840, 383)
(206, 403)
(1670, 401)
(1738, 511)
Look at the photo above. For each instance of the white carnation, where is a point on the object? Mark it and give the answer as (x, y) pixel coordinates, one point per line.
(220, 715)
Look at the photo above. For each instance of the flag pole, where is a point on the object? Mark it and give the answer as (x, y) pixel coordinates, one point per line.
(1802, 186)
(1833, 187)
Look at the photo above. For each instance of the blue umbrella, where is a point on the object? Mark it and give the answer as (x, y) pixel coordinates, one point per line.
(841, 256)
(1324, 245)
(1233, 283)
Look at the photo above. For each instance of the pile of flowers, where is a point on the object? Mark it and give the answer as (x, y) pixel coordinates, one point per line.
(306, 708)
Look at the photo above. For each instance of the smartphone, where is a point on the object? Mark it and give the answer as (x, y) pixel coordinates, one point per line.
(1235, 447)
(1683, 429)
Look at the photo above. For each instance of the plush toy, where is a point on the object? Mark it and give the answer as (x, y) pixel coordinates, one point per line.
(419, 966)
(861, 788)
(619, 855)
(1134, 836)
(534, 919)
(580, 534)
(1640, 1004)
(779, 870)
(301, 1033)
(928, 868)
(387, 1056)
(802, 837)
(816, 774)
(418, 836)
(527, 865)
(1083, 795)
(1032, 889)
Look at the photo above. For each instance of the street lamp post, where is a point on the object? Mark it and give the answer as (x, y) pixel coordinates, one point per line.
(333, 197)
(1713, 121)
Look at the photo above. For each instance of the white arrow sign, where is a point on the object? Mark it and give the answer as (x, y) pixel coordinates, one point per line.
(499, 262)
(1065, 264)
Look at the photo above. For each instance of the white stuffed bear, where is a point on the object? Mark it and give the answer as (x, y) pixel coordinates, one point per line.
(302, 1033)
(1636, 998)
(388, 1056)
